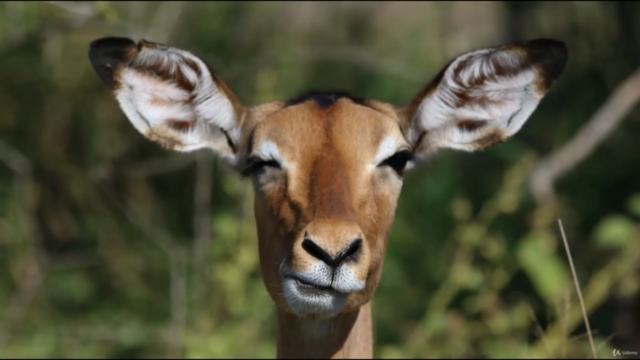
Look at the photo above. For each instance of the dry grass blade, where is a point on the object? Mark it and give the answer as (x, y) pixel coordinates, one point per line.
(575, 280)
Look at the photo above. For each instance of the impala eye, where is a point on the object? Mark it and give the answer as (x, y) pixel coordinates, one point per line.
(398, 161)
(255, 164)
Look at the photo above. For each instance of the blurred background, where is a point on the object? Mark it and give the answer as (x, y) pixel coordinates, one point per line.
(111, 247)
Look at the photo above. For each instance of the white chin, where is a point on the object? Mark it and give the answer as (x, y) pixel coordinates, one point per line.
(307, 301)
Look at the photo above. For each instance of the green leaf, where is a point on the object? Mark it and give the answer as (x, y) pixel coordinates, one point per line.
(435, 322)
(110, 13)
(542, 264)
(614, 231)
(634, 204)
(502, 349)
(71, 289)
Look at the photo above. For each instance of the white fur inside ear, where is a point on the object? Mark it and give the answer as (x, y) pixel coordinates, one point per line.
(483, 93)
(170, 96)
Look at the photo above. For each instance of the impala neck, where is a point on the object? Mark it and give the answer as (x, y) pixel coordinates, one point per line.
(347, 336)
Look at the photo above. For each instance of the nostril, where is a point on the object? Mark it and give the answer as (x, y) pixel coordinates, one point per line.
(317, 252)
(350, 252)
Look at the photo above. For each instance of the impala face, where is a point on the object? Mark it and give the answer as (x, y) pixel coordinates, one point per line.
(327, 168)
(325, 198)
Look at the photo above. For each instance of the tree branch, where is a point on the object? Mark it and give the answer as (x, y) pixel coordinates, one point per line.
(78, 18)
(601, 124)
(21, 301)
(202, 222)
(15, 160)
(36, 272)
(178, 299)
(167, 17)
(87, 10)
(177, 263)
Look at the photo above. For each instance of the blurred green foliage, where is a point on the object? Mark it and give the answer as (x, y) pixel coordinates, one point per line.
(112, 247)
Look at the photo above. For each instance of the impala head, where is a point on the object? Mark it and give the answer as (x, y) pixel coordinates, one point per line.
(327, 168)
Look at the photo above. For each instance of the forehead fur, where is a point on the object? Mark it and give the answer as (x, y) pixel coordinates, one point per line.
(335, 119)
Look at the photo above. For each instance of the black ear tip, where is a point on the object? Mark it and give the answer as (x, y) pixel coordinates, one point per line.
(112, 41)
(110, 47)
(106, 53)
(545, 43)
(550, 56)
(555, 49)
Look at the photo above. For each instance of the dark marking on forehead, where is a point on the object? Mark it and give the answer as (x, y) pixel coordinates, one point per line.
(325, 98)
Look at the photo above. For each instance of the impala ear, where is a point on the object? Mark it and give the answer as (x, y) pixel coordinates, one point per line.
(170, 96)
(483, 97)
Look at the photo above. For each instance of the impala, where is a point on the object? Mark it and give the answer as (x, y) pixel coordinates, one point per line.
(326, 168)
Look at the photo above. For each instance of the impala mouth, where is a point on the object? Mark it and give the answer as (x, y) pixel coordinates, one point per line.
(302, 284)
(309, 299)
(319, 291)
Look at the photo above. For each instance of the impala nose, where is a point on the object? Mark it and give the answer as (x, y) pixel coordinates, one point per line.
(351, 251)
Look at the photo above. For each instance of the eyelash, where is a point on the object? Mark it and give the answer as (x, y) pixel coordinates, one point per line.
(255, 164)
(398, 161)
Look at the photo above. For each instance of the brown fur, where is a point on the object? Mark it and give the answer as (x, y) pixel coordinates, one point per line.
(333, 197)
(493, 138)
(347, 336)
(180, 125)
(332, 193)
(470, 125)
(164, 138)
